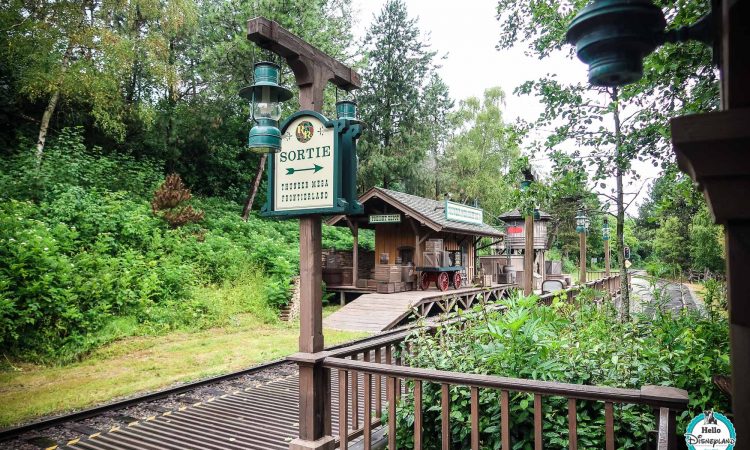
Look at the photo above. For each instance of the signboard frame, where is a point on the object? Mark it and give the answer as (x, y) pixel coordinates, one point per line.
(340, 204)
(386, 218)
(461, 205)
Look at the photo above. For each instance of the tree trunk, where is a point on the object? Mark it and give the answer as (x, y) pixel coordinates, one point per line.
(254, 190)
(50, 109)
(42, 139)
(619, 162)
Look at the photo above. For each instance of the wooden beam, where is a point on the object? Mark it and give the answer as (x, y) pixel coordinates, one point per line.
(417, 247)
(301, 56)
(355, 253)
(313, 69)
(528, 257)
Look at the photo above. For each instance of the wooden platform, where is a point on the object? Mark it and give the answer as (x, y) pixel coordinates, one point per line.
(379, 312)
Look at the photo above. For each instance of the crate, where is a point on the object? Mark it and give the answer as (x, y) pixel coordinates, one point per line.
(387, 272)
(362, 283)
(372, 284)
(433, 259)
(386, 288)
(434, 245)
(347, 277)
(487, 280)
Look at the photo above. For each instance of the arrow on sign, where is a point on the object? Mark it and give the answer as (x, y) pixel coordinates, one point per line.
(315, 169)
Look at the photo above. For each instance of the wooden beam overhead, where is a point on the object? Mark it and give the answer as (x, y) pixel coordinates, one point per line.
(300, 55)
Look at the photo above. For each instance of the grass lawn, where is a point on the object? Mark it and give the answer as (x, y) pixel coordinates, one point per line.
(139, 364)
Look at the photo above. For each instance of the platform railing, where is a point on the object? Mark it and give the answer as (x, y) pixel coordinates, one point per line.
(609, 286)
(372, 378)
(665, 401)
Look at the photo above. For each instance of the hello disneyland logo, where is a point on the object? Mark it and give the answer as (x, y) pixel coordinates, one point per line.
(710, 430)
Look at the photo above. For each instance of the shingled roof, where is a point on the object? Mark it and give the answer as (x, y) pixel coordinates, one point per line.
(430, 212)
(516, 215)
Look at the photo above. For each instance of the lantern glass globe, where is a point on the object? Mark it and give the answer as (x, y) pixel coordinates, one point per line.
(267, 110)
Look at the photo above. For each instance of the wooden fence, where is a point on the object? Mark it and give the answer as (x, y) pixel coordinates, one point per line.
(365, 370)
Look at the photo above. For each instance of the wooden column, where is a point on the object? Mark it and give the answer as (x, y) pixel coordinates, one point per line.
(582, 269)
(355, 253)
(606, 258)
(528, 257)
(417, 243)
(314, 380)
(312, 69)
(714, 149)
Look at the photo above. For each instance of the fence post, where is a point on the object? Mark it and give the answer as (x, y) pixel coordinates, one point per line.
(667, 430)
(666, 416)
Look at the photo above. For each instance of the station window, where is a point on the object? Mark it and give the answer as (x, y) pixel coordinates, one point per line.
(406, 255)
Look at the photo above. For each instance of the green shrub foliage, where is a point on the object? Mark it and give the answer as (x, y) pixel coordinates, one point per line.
(582, 344)
(80, 249)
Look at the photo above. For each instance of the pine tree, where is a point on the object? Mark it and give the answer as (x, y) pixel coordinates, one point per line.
(399, 65)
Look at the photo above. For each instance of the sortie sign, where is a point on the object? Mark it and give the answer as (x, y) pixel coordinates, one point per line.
(315, 171)
(304, 168)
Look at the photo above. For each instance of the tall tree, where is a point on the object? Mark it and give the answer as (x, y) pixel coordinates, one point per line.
(53, 50)
(399, 64)
(481, 153)
(435, 113)
(613, 127)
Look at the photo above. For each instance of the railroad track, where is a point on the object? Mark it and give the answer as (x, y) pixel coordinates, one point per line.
(50, 432)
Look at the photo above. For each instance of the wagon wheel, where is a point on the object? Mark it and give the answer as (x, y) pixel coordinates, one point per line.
(424, 281)
(457, 280)
(443, 281)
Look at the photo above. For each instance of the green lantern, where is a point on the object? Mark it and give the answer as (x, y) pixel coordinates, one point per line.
(582, 222)
(613, 37)
(537, 214)
(346, 109)
(266, 96)
(605, 230)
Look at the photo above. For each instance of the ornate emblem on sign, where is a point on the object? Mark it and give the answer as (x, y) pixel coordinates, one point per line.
(304, 131)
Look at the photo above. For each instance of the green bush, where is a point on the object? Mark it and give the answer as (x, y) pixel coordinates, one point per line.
(579, 344)
(84, 260)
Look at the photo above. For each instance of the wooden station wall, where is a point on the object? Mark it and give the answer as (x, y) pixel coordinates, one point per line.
(390, 237)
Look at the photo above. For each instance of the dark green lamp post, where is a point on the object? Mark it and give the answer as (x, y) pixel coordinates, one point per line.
(605, 230)
(266, 96)
(613, 37)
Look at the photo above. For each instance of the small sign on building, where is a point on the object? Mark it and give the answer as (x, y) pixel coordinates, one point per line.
(463, 213)
(385, 218)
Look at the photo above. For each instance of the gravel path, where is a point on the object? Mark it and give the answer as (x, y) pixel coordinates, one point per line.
(61, 434)
(672, 296)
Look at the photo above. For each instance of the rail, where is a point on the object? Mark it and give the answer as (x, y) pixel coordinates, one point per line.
(372, 378)
(380, 366)
(610, 286)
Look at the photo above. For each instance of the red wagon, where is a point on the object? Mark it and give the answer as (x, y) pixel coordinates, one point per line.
(442, 276)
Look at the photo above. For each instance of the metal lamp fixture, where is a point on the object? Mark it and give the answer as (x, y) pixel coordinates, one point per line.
(582, 222)
(266, 96)
(605, 230)
(613, 37)
(346, 109)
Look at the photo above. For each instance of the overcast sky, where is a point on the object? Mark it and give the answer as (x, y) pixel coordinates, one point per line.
(467, 33)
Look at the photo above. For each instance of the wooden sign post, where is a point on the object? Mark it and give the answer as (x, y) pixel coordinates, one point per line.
(528, 256)
(312, 69)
